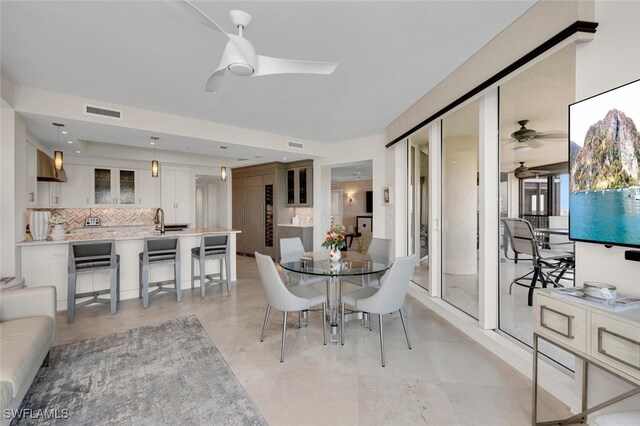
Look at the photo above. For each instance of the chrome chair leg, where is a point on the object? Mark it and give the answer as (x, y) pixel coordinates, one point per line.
(324, 323)
(405, 329)
(341, 313)
(264, 324)
(284, 334)
(381, 340)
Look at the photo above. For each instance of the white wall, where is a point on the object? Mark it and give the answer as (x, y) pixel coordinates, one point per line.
(342, 153)
(610, 60)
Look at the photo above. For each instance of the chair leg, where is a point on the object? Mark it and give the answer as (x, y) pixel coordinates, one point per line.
(139, 280)
(533, 286)
(227, 266)
(264, 324)
(145, 286)
(284, 334)
(71, 296)
(113, 286)
(381, 340)
(405, 329)
(118, 282)
(324, 323)
(202, 278)
(341, 315)
(177, 278)
(192, 274)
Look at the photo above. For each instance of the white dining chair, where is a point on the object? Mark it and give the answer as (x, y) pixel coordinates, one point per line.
(380, 251)
(285, 299)
(386, 299)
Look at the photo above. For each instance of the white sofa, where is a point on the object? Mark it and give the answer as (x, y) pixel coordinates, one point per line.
(27, 332)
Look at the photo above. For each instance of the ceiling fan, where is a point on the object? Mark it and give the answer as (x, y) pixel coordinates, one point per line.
(530, 137)
(239, 56)
(355, 175)
(523, 172)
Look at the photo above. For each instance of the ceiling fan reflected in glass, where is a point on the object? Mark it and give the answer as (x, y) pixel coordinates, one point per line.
(524, 172)
(239, 56)
(532, 138)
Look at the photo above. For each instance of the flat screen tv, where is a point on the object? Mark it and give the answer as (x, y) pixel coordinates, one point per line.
(369, 201)
(604, 152)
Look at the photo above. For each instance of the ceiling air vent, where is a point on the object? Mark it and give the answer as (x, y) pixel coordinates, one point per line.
(296, 145)
(239, 160)
(102, 111)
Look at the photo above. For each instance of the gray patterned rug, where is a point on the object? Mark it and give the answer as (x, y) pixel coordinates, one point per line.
(170, 373)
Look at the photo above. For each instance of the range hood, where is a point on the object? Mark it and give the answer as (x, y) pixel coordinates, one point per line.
(47, 171)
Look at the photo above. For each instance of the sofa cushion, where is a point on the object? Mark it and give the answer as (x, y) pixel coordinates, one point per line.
(22, 341)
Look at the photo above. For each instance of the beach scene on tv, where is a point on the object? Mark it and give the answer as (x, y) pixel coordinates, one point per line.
(604, 198)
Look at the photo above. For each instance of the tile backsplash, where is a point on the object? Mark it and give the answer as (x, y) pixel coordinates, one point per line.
(305, 214)
(108, 216)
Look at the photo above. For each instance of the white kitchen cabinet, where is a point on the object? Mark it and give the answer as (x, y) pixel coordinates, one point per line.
(32, 176)
(148, 189)
(55, 194)
(113, 186)
(76, 192)
(177, 187)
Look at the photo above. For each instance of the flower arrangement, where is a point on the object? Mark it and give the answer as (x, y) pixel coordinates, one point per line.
(57, 220)
(335, 238)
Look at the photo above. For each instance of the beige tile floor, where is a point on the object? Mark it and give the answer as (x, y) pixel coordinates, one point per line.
(446, 379)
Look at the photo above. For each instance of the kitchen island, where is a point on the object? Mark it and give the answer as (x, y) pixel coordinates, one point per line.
(45, 262)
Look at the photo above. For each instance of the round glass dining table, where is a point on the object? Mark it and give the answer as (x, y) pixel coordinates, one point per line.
(350, 264)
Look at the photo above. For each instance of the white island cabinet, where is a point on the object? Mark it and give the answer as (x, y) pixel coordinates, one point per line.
(45, 262)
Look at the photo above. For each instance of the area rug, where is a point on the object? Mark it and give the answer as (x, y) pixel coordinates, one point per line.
(166, 374)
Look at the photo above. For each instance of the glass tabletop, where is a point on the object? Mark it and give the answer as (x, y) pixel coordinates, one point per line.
(351, 263)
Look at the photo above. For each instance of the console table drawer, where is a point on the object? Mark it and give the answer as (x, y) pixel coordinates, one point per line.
(562, 322)
(616, 344)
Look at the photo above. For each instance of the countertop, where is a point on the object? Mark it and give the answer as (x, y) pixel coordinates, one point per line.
(129, 235)
(295, 226)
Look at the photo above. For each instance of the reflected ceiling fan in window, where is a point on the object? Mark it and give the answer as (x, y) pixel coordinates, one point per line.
(239, 56)
(524, 172)
(524, 137)
(355, 175)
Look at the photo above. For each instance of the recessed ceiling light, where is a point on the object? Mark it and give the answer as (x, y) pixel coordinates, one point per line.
(78, 152)
(284, 158)
(152, 143)
(69, 141)
(65, 132)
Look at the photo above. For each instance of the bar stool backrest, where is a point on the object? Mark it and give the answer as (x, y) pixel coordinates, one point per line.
(92, 255)
(165, 247)
(214, 245)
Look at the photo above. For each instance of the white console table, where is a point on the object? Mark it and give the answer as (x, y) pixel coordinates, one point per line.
(608, 340)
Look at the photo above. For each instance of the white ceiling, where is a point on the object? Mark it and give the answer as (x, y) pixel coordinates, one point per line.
(146, 55)
(362, 170)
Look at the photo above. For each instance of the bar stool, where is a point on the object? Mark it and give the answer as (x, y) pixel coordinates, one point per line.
(159, 250)
(90, 257)
(212, 246)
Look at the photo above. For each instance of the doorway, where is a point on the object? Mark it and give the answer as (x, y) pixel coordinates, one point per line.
(418, 205)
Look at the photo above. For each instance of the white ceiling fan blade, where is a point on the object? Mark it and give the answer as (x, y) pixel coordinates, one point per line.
(214, 82)
(268, 65)
(192, 11)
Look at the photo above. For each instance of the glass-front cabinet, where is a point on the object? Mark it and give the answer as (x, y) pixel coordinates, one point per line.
(300, 184)
(114, 186)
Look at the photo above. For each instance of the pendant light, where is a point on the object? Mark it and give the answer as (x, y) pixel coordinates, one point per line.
(154, 163)
(223, 173)
(58, 160)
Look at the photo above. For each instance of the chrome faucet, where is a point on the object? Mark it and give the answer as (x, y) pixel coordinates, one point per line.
(158, 219)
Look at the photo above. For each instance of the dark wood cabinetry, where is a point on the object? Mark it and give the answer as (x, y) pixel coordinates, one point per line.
(258, 204)
(300, 183)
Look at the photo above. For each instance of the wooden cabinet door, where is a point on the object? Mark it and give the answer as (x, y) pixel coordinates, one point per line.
(168, 195)
(253, 214)
(76, 191)
(148, 189)
(185, 189)
(237, 212)
(32, 167)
